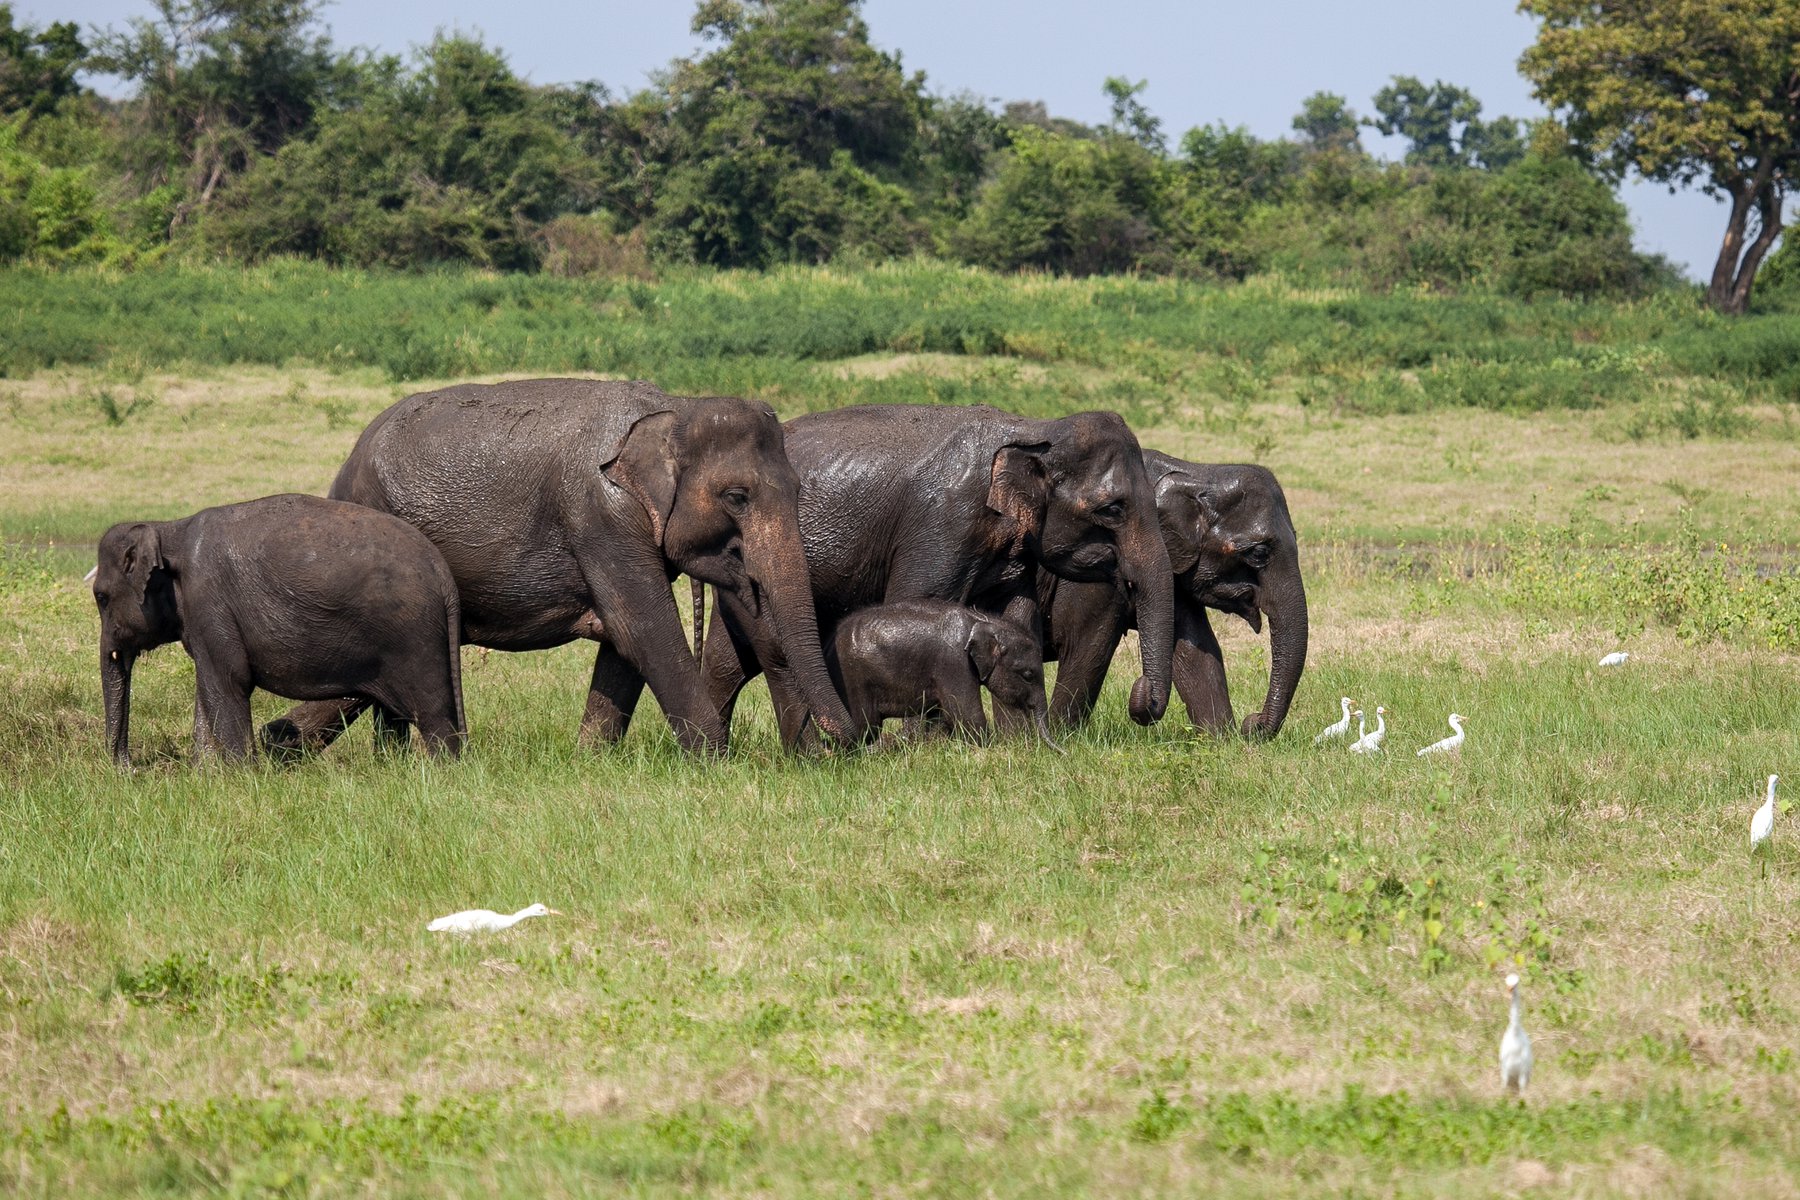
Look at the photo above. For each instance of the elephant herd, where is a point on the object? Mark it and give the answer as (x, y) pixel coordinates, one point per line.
(528, 514)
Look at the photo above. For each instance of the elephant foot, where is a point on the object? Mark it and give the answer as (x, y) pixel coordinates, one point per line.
(282, 741)
(1256, 728)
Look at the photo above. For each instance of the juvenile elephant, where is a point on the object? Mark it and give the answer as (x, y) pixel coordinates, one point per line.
(931, 658)
(1232, 547)
(300, 596)
(965, 504)
(566, 507)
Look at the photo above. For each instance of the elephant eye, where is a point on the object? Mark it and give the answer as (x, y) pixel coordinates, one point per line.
(101, 598)
(1258, 555)
(1112, 512)
(735, 499)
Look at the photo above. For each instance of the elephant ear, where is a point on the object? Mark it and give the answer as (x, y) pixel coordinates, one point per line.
(983, 646)
(647, 465)
(1020, 486)
(141, 558)
(1186, 513)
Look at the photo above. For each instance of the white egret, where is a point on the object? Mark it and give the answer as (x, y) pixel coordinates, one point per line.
(486, 920)
(1449, 745)
(1370, 742)
(1617, 658)
(1515, 1045)
(1339, 728)
(1763, 823)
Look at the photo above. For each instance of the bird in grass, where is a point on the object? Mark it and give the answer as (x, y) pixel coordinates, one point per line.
(1515, 1045)
(1763, 823)
(1617, 658)
(1449, 745)
(1339, 728)
(1370, 742)
(486, 920)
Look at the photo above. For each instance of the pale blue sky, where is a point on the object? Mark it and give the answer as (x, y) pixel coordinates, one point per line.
(1242, 63)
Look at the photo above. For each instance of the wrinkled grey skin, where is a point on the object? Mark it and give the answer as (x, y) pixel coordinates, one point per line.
(965, 504)
(1231, 544)
(566, 507)
(300, 596)
(930, 659)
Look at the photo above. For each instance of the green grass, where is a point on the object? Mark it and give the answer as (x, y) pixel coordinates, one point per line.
(1162, 965)
(1168, 340)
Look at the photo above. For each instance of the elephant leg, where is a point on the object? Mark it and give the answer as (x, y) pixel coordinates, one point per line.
(310, 727)
(642, 622)
(221, 706)
(1021, 609)
(440, 725)
(393, 732)
(612, 697)
(1090, 620)
(1199, 670)
(960, 707)
(728, 660)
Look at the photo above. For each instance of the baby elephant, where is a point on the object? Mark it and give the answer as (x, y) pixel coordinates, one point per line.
(308, 598)
(930, 658)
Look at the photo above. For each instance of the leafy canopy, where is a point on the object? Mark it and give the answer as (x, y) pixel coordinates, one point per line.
(1680, 91)
(37, 66)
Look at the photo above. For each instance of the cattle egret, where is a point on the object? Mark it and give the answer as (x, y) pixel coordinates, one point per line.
(1339, 728)
(1370, 742)
(1617, 658)
(1763, 823)
(92, 572)
(1449, 745)
(1515, 1045)
(486, 920)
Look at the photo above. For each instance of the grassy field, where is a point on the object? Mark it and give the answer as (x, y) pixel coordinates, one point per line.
(1162, 965)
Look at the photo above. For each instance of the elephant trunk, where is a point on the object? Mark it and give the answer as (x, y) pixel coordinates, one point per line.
(783, 574)
(1043, 732)
(1282, 598)
(115, 689)
(1144, 565)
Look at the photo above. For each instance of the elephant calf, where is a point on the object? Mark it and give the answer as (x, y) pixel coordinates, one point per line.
(301, 596)
(930, 658)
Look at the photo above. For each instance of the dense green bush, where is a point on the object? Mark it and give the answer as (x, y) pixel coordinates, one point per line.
(790, 138)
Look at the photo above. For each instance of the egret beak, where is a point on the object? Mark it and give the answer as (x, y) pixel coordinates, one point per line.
(555, 912)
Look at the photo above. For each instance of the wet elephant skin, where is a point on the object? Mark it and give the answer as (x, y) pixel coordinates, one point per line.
(301, 596)
(962, 504)
(1232, 548)
(566, 507)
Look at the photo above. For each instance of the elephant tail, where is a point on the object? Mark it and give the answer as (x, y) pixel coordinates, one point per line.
(698, 591)
(453, 631)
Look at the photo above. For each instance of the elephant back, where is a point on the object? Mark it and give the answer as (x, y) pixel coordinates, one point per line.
(493, 441)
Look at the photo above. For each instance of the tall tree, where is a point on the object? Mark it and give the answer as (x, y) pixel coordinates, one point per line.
(1129, 116)
(219, 83)
(1682, 92)
(792, 136)
(37, 66)
(1443, 123)
(1327, 122)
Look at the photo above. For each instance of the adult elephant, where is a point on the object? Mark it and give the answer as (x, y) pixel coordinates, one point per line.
(966, 504)
(566, 507)
(1232, 548)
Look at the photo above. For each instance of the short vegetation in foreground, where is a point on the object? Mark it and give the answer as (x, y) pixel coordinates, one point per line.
(1165, 964)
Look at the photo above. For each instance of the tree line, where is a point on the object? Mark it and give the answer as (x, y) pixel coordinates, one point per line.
(788, 138)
